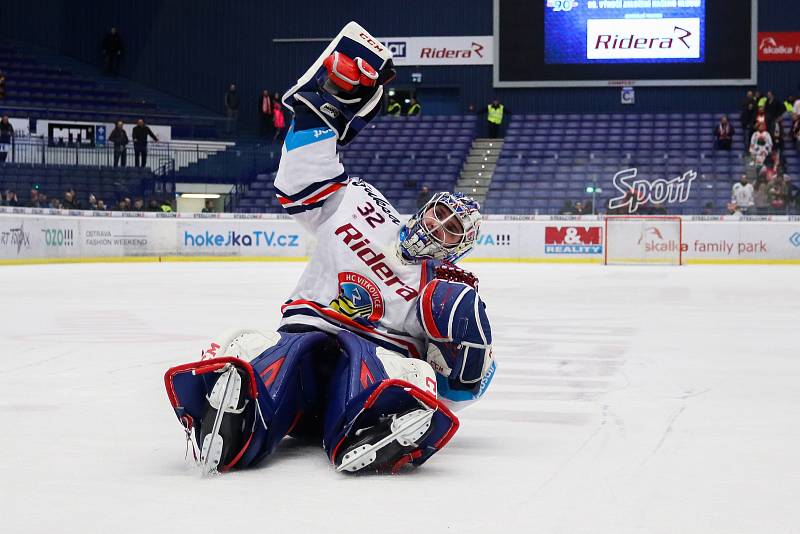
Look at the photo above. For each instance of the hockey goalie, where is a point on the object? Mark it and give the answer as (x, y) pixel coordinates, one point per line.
(382, 338)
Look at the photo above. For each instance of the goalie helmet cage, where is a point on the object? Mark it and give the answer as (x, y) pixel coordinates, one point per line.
(643, 240)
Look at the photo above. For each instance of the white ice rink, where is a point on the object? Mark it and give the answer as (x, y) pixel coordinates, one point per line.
(627, 400)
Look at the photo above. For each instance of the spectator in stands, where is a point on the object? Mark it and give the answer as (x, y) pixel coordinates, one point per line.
(43, 200)
(166, 206)
(761, 118)
(777, 140)
(55, 204)
(153, 205)
(657, 208)
(140, 134)
(582, 209)
(796, 126)
(788, 105)
(723, 134)
(495, 114)
(6, 137)
(760, 197)
(209, 206)
(112, 52)
(708, 208)
(33, 201)
(732, 210)
(101, 205)
(773, 108)
(11, 198)
(423, 196)
(71, 201)
(119, 137)
(2, 85)
(232, 107)
(742, 194)
(760, 146)
(777, 193)
(393, 108)
(577, 208)
(747, 117)
(771, 169)
(414, 108)
(278, 118)
(138, 204)
(92, 203)
(265, 115)
(124, 204)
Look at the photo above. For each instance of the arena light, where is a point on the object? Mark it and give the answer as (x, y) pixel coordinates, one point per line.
(199, 195)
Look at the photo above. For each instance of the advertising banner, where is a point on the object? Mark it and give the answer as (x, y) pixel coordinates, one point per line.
(441, 51)
(779, 46)
(31, 234)
(240, 238)
(47, 236)
(90, 133)
(22, 127)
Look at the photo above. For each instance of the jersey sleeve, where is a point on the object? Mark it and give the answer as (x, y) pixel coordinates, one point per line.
(309, 175)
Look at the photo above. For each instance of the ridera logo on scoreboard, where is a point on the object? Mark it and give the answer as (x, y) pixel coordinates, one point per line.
(658, 39)
(573, 240)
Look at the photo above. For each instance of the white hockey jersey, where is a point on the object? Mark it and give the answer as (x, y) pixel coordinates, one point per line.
(355, 279)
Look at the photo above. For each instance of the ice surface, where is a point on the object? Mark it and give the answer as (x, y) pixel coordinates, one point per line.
(627, 400)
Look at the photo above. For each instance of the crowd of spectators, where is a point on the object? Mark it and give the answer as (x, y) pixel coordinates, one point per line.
(410, 107)
(766, 187)
(70, 201)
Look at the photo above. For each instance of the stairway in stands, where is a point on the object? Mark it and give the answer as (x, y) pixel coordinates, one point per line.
(476, 175)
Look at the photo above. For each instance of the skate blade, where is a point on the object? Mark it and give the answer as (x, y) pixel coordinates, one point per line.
(224, 398)
(405, 429)
(211, 454)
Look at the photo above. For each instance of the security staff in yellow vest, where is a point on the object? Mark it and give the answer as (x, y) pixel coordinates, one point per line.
(413, 108)
(394, 108)
(494, 116)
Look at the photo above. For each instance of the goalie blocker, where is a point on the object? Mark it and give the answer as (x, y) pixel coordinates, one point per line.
(379, 410)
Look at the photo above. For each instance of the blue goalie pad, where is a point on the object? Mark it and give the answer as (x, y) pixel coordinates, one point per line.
(281, 380)
(362, 396)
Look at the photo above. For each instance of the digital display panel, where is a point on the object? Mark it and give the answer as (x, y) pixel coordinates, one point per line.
(562, 43)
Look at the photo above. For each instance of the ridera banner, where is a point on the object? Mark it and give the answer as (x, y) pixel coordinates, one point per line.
(442, 51)
(779, 46)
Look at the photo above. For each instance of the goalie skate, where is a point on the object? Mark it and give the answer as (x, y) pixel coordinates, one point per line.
(225, 423)
(382, 446)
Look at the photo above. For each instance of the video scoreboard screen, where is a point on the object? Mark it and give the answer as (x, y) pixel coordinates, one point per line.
(563, 43)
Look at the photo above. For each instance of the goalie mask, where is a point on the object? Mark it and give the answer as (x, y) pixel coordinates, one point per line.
(454, 319)
(445, 228)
